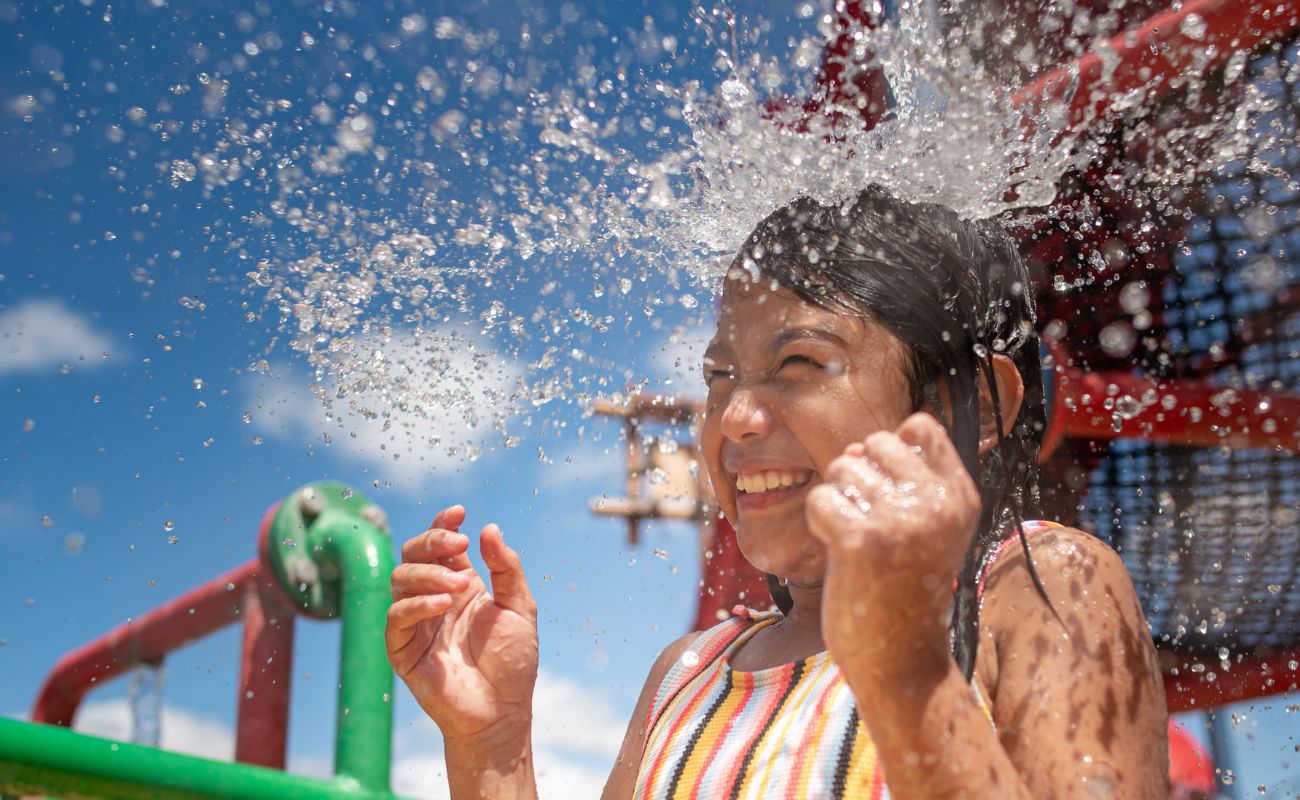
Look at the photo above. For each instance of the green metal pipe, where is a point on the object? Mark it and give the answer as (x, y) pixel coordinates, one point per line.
(362, 557)
(329, 549)
(46, 759)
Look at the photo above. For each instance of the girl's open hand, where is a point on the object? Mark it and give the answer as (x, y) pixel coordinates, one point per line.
(897, 512)
(469, 657)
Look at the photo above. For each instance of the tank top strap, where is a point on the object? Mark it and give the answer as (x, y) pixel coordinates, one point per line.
(705, 650)
(1010, 542)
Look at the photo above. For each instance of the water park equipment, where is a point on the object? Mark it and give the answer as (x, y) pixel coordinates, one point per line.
(1176, 445)
(325, 553)
(1219, 430)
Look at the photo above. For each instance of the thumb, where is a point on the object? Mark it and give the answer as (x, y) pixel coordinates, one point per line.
(509, 586)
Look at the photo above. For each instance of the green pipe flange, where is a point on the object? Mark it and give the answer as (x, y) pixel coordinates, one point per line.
(310, 583)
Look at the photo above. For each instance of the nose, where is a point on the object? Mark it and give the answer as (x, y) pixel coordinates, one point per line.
(745, 416)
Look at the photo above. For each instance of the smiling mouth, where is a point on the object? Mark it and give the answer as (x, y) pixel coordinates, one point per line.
(771, 481)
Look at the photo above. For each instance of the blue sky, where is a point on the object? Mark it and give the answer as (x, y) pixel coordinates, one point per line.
(142, 441)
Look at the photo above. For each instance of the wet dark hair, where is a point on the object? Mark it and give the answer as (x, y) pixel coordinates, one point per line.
(955, 293)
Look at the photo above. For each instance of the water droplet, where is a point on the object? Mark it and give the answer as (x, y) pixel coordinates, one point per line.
(183, 170)
(1193, 27)
(1127, 407)
(356, 134)
(74, 544)
(1135, 297)
(1117, 339)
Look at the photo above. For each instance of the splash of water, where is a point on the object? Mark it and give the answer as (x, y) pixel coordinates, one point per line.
(453, 241)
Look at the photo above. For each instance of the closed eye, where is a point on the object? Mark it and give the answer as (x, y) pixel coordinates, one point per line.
(797, 359)
(715, 369)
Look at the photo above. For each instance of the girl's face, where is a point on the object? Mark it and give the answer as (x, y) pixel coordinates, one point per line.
(790, 385)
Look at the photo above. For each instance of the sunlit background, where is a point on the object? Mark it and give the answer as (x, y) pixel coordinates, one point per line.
(405, 246)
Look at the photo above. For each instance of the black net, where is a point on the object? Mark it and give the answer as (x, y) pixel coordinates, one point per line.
(1210, 535)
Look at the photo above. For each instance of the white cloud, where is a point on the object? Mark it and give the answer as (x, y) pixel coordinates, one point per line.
(44, 334)
(576, 735)
(182, 731)
(409, 405)
(563, 778)
(320, 767)
(590, 464)
(572, 719)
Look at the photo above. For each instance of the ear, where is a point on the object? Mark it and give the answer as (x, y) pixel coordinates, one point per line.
(1011, 392)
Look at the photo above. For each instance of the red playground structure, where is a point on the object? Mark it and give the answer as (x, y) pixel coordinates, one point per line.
(1172, 368)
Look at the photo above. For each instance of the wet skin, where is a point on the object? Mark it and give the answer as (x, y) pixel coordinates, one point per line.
(873, 542)
(869, 530)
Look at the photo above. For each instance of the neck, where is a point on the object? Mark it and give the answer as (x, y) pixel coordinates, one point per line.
(803, 623)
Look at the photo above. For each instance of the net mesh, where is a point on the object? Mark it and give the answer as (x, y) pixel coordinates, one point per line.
(1211, 536)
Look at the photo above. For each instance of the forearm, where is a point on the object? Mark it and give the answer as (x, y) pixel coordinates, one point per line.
(931, 734)
(500, 769)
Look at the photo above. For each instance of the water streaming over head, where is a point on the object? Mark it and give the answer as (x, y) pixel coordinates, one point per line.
(454, 217)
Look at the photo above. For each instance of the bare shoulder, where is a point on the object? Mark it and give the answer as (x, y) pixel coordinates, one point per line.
(1091, 610)
(1076, 674)
(1078, 571)
(622, 779)
(670, 655)
(658, 671)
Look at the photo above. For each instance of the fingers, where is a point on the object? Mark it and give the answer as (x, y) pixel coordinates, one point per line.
(405, 616)
(896, 458)
(412, 579)
(828, 511)
(509, 586)
(434, 545)
(918, 451)
(887, 479)
(442, 543)
(926, 434)
(450, 518)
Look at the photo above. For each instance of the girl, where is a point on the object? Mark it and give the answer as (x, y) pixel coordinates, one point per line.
(873, 415)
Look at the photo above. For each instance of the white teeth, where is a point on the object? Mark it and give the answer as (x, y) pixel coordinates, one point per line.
(756, 482)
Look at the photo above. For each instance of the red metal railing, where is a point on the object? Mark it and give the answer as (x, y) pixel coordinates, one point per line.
(1156, 55)
(1120, 405)
(1202, 685)
(247, 592)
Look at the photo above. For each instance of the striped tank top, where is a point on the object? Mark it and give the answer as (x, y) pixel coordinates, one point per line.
(787, 732)
(790, 732)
